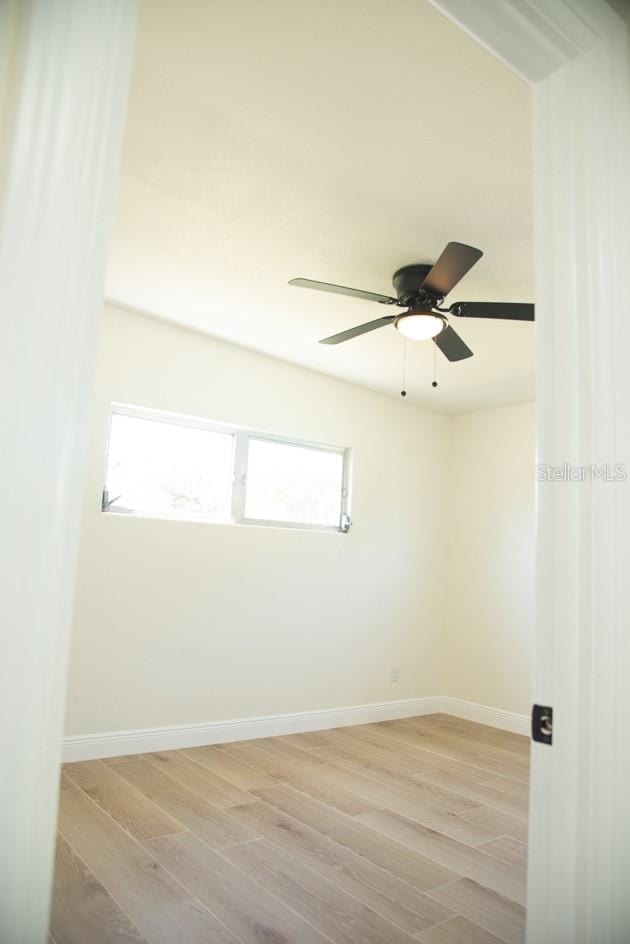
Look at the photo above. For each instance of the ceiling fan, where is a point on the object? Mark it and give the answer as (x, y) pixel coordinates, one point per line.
(421, 289)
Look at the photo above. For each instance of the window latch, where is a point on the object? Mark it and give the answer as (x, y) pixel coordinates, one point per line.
(106, 501)
(345, 524)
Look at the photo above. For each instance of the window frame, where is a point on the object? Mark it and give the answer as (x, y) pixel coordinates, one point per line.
(240, 457)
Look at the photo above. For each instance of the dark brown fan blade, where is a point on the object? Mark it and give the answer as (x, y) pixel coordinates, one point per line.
(343, 290)
(508, 311)
(360, 329)
(456, 260)
(451, 345)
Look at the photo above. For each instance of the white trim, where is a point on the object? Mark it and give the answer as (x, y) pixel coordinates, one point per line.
(68, 89)
(117, 743)
(218, 426)
(534, 38)
(242, 438)
(484, 714)
(576, 55)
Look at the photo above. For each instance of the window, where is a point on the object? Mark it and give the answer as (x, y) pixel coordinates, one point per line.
(161, 465)
(157, 466)
(286, 482)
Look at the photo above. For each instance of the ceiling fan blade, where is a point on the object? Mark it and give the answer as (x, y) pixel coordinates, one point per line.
(360, 329)
(343, 290)
(451, 345)
(456, 260)
(509, 311)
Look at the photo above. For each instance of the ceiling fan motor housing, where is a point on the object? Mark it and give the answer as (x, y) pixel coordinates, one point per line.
(408, 285)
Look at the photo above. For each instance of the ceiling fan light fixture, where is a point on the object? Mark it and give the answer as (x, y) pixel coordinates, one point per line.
(420, 326)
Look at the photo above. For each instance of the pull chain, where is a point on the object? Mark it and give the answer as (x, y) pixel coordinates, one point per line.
(434, 384)
(403, 392)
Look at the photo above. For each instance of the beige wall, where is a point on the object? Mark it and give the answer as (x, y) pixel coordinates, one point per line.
(487, 646)
(180, 622)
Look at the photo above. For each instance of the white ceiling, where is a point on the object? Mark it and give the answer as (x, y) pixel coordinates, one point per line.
(335, 141)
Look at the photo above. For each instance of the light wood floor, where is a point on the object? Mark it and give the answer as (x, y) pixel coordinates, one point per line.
(388, 833)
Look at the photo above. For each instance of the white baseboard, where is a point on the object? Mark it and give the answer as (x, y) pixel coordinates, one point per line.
(117, 743)
(482, 714)
(145, 740)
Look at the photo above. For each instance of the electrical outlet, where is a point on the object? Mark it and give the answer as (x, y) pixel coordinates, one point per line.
(393, 675)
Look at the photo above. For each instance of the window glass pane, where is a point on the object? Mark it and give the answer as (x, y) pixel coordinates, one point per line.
(293, 483)
(167, 468)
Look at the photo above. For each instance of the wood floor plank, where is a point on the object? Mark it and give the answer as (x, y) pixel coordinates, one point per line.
(364, 742)
(242, 904)
(396, 900)
(426, 792)
(497, 822)
(475, 733)
(505, 785)
(82, 911)
(450, 746)
(412, 830)
(363, 756)
(515, 743)
(275, 766)
(388, 855)
(495, 760)
(407, 743)
(508, 850)
(519, 743)
(319, 785)
(286, 752)
(466, 860)
(416, 735)
(307, 741)
(215, 789)
(131, 810)
(159, 906)
(436, 720)
(347, 757)
(376, 736)
(220, 763)
(212, 824)
(458, 781)
(457, 931)
(365, 785)
(503, 917)
(340, 916)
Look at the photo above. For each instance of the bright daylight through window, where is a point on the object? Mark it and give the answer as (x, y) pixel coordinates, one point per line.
(161, 465)
(293, 483)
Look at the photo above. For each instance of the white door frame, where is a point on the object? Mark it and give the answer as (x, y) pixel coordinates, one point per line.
(574, 53)
(64, 74)
(67, 94)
